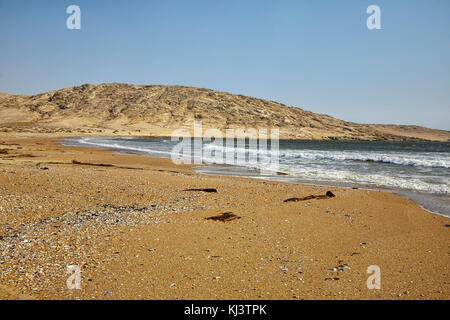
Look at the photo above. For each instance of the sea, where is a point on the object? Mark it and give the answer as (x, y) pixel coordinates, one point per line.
(419, 170)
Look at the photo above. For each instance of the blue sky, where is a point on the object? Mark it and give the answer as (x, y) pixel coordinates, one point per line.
(318, 55)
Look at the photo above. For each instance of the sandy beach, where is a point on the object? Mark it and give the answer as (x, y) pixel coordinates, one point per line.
(135, 232)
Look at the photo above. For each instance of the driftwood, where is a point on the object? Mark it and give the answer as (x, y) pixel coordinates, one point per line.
(328, 195)
(224, 217)
(96, 165)
(91, 164)
(204, 190)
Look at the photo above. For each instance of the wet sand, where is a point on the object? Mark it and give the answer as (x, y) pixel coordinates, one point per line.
(127, 222)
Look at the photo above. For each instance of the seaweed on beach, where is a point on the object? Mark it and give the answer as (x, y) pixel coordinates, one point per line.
(203, 190)
(224, 217)
(327, 195)
(92, 164)
(98, 165)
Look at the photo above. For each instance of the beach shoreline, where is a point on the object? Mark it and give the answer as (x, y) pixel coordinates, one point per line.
(402, 193)
(276, 250)
(437, 203)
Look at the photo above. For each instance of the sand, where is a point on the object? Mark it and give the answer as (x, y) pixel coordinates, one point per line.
(134, 232)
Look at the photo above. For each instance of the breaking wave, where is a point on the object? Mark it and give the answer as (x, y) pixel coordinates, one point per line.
(401, 166)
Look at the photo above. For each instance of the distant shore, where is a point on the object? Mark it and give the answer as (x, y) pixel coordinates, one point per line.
(136, 232)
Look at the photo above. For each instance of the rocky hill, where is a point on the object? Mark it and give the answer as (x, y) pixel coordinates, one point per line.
(156, 110)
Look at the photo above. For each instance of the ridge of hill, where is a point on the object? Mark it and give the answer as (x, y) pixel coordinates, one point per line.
(157, 110)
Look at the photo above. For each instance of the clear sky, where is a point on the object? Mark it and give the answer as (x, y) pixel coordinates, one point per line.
(318, 55)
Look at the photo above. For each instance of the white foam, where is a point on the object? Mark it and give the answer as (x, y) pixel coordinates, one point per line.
(114, 145)
(373, 179)
(330, 165)
(424, 159)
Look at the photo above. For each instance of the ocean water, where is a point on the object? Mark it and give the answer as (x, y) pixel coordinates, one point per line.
(418, 170)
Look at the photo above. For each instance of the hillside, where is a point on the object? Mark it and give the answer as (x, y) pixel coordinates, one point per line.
(123, 109)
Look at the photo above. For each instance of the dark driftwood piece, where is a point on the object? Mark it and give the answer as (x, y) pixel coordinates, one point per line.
(92, 164)
(204, 190)
(329, 194)
(96, 165)
(224, 217)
